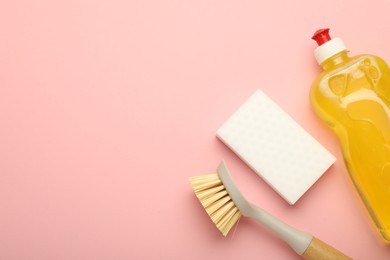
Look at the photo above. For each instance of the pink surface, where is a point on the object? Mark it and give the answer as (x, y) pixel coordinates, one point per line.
(107, 107)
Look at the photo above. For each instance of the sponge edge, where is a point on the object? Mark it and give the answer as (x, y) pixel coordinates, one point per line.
(275, 146)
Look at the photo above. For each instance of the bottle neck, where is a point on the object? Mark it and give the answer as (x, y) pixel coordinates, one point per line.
(336, 60)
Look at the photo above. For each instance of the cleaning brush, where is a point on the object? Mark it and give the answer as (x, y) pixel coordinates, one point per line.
(225, 204)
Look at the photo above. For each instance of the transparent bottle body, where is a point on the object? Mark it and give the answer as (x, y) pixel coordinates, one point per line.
(352, 96)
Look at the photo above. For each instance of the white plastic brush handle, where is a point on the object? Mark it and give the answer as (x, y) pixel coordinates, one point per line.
(298, 240)
(303, 243)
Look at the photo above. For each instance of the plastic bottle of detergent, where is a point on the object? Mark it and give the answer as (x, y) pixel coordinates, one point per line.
(352, 96)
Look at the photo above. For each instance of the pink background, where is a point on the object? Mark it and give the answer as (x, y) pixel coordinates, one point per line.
(107, 107)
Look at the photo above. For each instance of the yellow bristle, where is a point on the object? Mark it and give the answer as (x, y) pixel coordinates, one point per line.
(222, 211)
(204, 179)
(210, 192)
(214, 198)
(208, 183)
(226, 218)
(228, 224)
(217, 205)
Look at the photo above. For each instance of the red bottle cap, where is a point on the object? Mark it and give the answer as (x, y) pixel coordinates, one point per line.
(321, 36)
(332, 46)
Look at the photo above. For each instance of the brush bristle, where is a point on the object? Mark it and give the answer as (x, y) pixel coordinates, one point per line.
(214, 198)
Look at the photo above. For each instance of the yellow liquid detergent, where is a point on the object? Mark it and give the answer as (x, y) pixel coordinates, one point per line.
(352, 96)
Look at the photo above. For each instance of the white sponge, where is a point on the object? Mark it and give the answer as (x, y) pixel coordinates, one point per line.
(275, 146)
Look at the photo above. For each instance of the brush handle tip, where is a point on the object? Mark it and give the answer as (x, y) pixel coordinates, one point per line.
(319, 250)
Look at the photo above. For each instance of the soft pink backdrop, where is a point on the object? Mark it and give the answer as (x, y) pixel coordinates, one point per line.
(107, 107)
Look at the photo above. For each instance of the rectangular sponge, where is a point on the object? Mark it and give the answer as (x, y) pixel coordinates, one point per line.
(275, 146)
